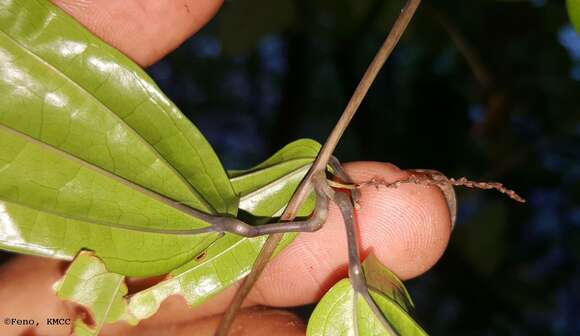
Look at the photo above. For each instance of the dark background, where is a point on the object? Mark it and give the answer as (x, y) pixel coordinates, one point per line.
(484, 89)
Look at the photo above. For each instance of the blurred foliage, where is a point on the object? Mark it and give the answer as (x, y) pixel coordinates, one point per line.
(574, 11)
(485, 89)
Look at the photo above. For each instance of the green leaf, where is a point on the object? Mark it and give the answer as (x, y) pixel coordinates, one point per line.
(69, 89)
(88, 141)
(283, 170)
(382, 280)
(574, 12)
(264, 191)
(342, 311)
(88, 283)
(53, 204)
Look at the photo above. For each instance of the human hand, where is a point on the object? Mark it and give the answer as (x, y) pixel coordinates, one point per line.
(407, 228)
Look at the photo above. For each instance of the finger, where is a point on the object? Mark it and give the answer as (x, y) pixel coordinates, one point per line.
(254, 322)
(407, 228)
(26, 293)
(144, 30)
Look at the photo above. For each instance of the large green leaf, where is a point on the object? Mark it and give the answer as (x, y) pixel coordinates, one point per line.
(88, 283)
(342, 311)
(53, 204)
(67, 88)
(88, 141)
(264, 191)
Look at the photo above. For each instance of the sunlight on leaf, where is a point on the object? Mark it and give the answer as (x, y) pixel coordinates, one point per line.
(87, 142)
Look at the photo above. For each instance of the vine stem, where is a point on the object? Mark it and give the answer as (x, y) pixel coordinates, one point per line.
(319, 165)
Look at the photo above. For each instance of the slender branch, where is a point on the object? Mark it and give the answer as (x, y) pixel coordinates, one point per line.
(478, 68)
(319, 166)
(390, 42)
(497, 99)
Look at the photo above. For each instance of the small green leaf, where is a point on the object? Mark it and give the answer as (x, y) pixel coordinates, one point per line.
(342, 311)
(574, 12)
(402, 322)
(88, 283)
(283, 170)
(382, 280)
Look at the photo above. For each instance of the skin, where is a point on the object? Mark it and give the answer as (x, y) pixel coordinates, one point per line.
(407, 228)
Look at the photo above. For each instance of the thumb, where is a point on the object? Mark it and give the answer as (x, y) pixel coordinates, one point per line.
(144, 30)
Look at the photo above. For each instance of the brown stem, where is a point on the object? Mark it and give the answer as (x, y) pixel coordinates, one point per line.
(319, 166)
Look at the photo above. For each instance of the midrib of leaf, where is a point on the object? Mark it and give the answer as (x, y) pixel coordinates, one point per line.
(246, 174)
(105, 224)
(93, 222)
(337, 302)
(355, 311)
(109, 305)
(378, 314)
(57, 71)
(239, 174)
(378, 292)
(151, 194)
(87, 220)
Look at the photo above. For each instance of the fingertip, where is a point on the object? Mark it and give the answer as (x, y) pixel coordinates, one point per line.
(407, 227)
